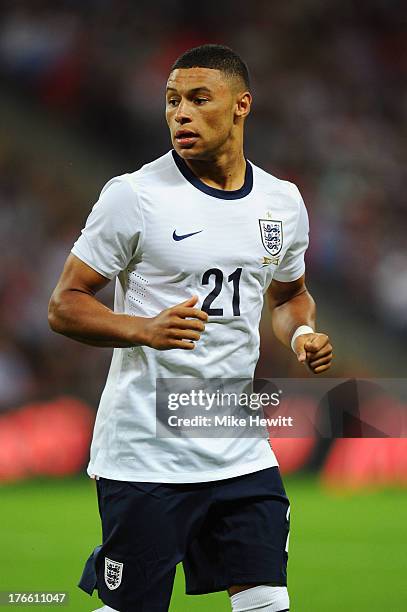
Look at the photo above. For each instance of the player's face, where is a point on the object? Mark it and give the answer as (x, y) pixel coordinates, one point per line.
(200, 111)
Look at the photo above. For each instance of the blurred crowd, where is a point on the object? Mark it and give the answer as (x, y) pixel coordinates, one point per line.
(330, 113)
(40, 217)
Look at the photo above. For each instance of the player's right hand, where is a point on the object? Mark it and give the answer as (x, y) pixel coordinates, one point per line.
(177, 327)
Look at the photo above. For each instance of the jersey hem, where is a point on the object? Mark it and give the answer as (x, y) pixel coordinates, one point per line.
(75, 251)
(289, 277)
(185, 477)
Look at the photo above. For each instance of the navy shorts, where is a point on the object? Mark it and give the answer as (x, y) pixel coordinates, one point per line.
(225, 532)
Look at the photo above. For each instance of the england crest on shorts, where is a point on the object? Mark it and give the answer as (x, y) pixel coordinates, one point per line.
(271, 235)
(113, 574)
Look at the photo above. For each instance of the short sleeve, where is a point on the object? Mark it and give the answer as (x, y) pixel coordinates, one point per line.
(293, 266)
(113, 230)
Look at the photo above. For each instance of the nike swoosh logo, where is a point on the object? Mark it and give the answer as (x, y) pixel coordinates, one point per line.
(176, 237)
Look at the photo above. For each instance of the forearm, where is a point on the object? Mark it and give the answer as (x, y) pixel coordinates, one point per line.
(286, 317)
(82, 317)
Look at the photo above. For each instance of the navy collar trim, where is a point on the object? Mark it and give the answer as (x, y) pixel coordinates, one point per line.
(222, 194)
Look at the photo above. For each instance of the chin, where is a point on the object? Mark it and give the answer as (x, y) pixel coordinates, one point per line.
(192, 152)
(187, 153)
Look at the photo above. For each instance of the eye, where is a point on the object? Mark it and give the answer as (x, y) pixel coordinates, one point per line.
(200, 101)
(172, 102)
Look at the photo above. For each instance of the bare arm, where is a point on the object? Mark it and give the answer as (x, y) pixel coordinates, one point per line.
(75, 312)
(292, 305)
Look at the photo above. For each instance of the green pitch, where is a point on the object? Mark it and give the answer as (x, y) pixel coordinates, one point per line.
(346, 553)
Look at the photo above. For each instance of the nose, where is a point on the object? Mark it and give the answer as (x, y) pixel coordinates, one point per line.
(182, 115)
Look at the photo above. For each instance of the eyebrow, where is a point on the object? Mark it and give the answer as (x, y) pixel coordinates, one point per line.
(194, 90)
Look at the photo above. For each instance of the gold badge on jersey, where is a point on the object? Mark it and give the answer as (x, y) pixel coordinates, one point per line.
(270, 260)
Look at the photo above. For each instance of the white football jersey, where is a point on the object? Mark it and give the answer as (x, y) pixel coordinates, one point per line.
(165, 235)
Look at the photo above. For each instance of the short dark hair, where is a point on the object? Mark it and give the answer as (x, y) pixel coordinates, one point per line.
(217, 57)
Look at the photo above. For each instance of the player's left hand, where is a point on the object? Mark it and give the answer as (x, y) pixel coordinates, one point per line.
(315, 350)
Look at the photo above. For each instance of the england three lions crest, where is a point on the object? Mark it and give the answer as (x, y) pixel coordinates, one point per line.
(113, 574)
(271, 235)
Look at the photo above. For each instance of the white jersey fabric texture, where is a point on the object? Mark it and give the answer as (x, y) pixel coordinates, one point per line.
(136, 233)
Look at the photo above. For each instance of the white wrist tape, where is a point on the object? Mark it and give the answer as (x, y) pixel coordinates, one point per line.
(302, 329)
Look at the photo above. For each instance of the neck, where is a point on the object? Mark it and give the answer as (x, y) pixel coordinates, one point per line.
(225, 171)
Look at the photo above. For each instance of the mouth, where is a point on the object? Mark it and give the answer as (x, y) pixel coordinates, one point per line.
(186, 138)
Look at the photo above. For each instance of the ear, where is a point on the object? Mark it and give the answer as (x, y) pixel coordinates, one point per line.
(243, 104)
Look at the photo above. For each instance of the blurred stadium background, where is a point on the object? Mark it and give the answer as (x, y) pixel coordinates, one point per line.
(81, 99)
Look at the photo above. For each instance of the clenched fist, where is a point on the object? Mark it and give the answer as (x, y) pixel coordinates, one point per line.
(177, 327)
(315, 350)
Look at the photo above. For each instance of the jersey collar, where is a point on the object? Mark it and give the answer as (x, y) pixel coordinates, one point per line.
(222, 194)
